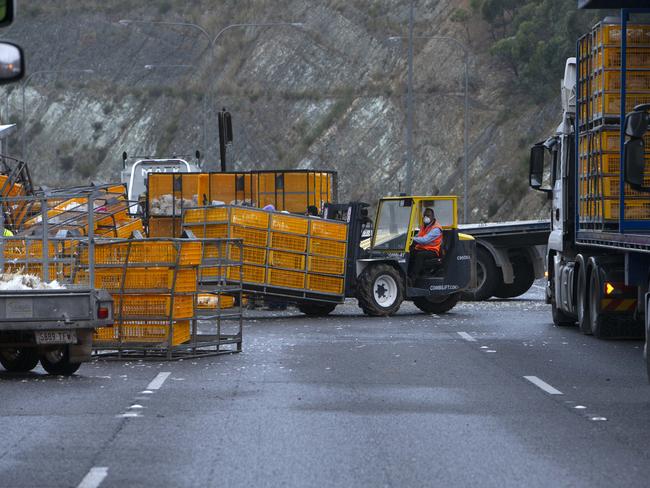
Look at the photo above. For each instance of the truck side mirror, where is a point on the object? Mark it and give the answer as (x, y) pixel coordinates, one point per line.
(538, 154)
(7, 10)
(12, 63)
(636, 126)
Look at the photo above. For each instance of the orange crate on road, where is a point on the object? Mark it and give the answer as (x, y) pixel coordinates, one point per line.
(154, 332)
(325, 284)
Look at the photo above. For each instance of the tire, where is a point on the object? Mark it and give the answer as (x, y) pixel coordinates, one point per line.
(19, 360)
(57, 361)
(597, 320)
(316, 309)
(427, 305)
(487, 275)
(380, 290)
(582, 302)
(524, 278)
(560, 319)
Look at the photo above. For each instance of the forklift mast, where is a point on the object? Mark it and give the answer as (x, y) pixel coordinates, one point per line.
(356, 215)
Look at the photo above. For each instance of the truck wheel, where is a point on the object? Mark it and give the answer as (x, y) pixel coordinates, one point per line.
(582, 302)
(57, 361)
(524, 278)
(436, 304)
(487, 277)
(560, 319)
(19, 360)
(597, 319)
(380, 290)
(316, 309)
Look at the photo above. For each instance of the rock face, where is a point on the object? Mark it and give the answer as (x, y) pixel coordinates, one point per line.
(329, 94)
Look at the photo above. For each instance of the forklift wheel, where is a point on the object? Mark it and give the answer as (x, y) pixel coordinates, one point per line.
(380, 290)
(436, 304)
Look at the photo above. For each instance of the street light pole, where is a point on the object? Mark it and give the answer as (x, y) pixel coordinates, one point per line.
(465, 115)
(24, 86)
(409, 106)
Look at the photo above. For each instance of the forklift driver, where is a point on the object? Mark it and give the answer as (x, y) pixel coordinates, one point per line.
(426, 245)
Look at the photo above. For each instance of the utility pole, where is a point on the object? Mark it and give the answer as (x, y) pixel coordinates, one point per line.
(409, 106)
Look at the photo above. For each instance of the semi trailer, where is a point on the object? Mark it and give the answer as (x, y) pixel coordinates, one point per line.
(598, 255)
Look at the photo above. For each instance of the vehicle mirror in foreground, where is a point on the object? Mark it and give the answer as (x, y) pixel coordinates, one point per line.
(12, 63)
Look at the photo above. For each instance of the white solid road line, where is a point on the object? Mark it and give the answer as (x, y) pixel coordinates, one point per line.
(158, 381)
(543, 385)
(94, 478)
(466, 336)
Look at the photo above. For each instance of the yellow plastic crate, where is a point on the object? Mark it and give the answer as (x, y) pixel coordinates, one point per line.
(329, 229)
(251, 237)
(165, 227)
(610, 34)
(126, 306)
(286, 279)
(146, 252)
(610, 57)
(325, 284)
(281, 259)
(123, 231)
(106, 334)
(289, 223)
(319, 264)
(249, 217)
(288, 242)
(609, 186)
(209, 231)
(251, 255)
(327, 248)
(154, 332)
(251, 274)
(145, 279)
(206, 214)
(636, 81)
(608, 141)
(608, 104)
(634, 209)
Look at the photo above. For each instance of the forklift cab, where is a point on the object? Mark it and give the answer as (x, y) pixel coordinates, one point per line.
(399, 220)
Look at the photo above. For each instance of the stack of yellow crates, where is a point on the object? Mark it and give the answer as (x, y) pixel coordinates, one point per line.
(599, 98)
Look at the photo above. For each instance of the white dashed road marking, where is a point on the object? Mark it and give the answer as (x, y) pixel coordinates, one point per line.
(543, 385)
(94, 478)
(466, 336)
(158, 381)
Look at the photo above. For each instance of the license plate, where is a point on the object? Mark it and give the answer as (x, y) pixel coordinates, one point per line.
(56, 337)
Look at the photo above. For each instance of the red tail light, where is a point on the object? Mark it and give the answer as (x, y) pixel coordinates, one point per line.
(103, 313)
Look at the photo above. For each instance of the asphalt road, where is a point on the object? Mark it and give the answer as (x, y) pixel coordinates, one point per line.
(490, 394)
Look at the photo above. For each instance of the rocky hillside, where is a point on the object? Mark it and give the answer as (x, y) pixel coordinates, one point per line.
(329, 94)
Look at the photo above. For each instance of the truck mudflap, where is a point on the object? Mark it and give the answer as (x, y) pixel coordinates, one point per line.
(457, 274)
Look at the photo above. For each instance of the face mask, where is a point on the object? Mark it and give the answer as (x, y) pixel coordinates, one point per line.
(427, 220)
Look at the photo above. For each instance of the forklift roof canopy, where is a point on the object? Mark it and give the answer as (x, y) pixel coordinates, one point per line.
(615, 4)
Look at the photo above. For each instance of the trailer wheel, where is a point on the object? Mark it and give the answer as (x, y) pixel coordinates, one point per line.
(433, 305)
(316, 309)
(596, 318)
(487, 277)
(582, 302)
(524, 278)
(19, 360)
(57, 361)
(380, 290)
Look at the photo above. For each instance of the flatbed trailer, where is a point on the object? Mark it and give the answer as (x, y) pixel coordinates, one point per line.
(510, 256)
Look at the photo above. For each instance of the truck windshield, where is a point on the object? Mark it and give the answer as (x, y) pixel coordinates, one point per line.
(392, 225)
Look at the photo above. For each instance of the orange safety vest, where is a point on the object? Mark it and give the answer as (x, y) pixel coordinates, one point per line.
(433, 245)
